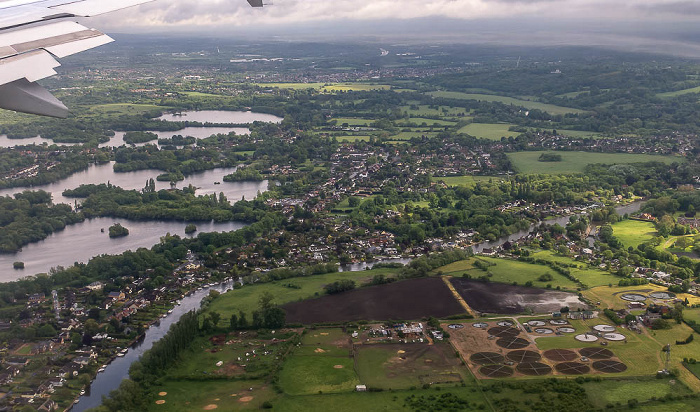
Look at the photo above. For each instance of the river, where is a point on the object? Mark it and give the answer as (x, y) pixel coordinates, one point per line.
(118, 370)
(479, 247)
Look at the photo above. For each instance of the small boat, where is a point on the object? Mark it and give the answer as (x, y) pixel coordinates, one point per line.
(100, 370)
(120, 355)
(170, 311)
(124, 351)
(102, 230)
(82, 392)
(76, 401)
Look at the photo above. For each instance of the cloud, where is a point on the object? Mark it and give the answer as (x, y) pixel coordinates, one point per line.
(238, 13)
(680, 8)
(665, 25)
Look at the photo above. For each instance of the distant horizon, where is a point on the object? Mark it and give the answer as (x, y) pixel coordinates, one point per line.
(653, 40)
(682, 40)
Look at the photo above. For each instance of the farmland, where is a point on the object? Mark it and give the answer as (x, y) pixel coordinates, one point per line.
(549, 108)
(634, 232)
(491, 131)
(511, 272)
(575, 162)
(677, 93)
(285, 291)
(396, 366)
(468, 181)
(410, 299)
(501, 298)
(320, 365)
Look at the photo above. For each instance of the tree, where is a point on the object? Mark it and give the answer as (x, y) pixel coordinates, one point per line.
(242, 321)
(258, 320)
(265, 301)
(274, 318)
(215, 318)
(91, 327)
(233, 323)
(660, 324)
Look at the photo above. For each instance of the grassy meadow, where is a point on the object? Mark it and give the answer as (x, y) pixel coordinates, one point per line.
(491, 131)
(575, 162)
(532, 105)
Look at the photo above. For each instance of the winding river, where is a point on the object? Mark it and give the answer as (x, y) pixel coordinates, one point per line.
(119, 368)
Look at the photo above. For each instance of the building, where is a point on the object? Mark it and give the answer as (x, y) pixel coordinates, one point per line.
(583, 314)
(361, 388)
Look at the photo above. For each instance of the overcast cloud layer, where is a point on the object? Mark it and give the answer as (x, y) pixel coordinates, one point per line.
(205, 13)
(668, 26)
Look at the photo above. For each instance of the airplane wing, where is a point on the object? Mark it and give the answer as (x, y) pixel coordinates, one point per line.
(33, 34)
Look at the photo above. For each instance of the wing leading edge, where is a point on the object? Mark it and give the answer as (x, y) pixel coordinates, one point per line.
(33, 34)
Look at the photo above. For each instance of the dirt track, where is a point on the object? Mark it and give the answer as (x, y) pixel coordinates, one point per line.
(407, 300)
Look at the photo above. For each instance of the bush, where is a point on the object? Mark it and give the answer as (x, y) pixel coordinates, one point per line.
(549, 157)
(339, 286)
(686, 341)
(660, 324)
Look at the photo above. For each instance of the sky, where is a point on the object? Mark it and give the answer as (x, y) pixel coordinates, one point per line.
(663, 25)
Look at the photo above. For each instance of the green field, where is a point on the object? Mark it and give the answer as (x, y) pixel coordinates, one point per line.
(386, 401)
(321, 364)
(575, 162)
(588, 276)
(468, 181)
(426, 122)
(444, 111)
(292, 86)
(285, 291)
(412, 134)
(389, 366)
(634, 232)
(491, 131)
(612, 391)
(353, 87)
(692, 314)
(187, 396)
(549, 108)
(353, 121)
(679, 92)
(352, 139)
(509, 271)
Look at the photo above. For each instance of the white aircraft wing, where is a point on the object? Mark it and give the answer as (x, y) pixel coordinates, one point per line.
(33, 34)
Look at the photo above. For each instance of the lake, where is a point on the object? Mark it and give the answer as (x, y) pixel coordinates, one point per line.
(96, 174)
(221, 117)
(83, 241)
(203, 116)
